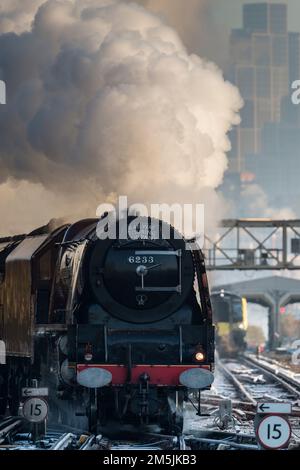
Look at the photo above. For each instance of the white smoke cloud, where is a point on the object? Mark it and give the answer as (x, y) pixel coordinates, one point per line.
(103, 99)
(196, 25)
(24, 206)
(17, 15)
(257, 202)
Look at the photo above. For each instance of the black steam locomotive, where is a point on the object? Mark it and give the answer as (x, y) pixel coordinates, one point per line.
(124, 324)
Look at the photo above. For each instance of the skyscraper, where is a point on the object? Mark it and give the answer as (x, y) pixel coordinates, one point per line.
(265, 60)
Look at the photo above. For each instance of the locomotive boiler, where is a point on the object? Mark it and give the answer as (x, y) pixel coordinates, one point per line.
(123, 323)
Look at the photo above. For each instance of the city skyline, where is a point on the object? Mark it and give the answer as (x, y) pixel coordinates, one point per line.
(263, 62)
(229, 12)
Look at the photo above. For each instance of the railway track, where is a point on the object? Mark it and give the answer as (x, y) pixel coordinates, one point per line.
(9, 428)
(146, 442)
(244, 381)
(239, 386)
(15, 434)
(255, 381)
(283, 376)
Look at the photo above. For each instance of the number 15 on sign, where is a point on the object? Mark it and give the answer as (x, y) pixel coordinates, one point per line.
(35, 410)
(274, 432)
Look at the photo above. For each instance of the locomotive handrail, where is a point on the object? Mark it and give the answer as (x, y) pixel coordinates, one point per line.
(159, 252)
(203, 286)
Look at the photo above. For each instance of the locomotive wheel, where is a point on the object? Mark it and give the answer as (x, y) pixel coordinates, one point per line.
(92, 411)
(173, 424)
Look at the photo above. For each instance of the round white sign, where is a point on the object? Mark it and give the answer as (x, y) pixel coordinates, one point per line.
(274, 432)
(35, 410)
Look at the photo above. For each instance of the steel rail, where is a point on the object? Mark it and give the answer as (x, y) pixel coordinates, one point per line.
(64, 441)
(237, 383)
(182, 443)
(295, 390)
(8, 426)
(235, 445)
(88, 443)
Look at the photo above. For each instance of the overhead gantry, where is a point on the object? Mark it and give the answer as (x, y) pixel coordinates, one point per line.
(254, 244)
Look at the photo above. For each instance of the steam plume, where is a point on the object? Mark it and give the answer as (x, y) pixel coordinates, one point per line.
(103, 99)
(196, 25)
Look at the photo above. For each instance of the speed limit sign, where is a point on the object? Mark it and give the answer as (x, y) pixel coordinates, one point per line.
(35, 410)
(274, 432)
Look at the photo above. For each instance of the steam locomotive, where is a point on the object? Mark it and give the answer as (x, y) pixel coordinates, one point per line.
(123, 325)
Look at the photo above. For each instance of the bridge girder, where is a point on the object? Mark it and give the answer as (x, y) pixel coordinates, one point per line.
(254, 244)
